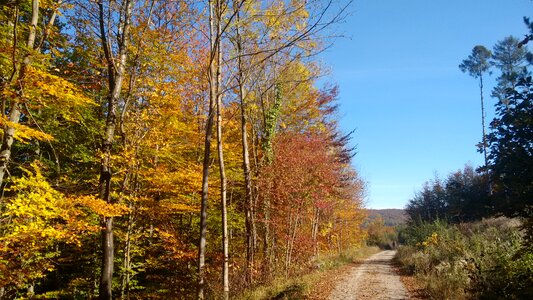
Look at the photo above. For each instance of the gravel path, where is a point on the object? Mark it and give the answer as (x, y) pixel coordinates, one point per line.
(373, 279)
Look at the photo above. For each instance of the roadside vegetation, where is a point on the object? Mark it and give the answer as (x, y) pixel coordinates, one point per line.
(480, 260)
(469, 235)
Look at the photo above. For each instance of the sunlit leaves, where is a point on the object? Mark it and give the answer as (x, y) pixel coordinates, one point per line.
(32, 223)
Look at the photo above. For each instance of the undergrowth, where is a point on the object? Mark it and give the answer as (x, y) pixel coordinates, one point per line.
(483, 260)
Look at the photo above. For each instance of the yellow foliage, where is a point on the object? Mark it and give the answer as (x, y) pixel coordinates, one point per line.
(33, 221)
(170, 206)
(48, 90)
(432, 240)
(24, 133)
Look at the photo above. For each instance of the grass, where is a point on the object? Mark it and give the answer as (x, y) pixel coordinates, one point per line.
(300, 287)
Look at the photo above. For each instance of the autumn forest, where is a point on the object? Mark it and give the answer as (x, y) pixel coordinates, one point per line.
(169, 149)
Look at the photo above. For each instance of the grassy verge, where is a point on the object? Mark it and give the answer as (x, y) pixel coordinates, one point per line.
(301, 287)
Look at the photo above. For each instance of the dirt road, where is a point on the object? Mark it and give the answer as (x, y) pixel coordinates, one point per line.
(373, 279)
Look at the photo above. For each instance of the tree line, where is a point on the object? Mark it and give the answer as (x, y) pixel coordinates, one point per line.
(168, 149)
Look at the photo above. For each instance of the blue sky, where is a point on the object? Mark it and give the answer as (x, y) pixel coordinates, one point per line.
(415, 113)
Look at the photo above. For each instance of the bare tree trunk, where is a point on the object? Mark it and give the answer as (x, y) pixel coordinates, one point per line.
(292, 238)
(483, 119)
(126, 276)
(116, 75)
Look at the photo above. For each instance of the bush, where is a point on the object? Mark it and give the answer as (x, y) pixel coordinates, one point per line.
(483, 260)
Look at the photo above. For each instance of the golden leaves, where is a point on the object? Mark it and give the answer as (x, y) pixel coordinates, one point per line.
(48, 90)
(101, 207)
(32, 223)
(24, 133)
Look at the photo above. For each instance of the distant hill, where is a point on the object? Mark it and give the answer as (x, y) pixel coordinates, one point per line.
(391, 217)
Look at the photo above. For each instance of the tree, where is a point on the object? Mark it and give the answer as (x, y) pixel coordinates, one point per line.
(21, 76)
(121, 98)
(116, 67)
(461, 197)
(34, 225)
(511, 60)
(476, 65)
(511, 149)
(529, 36)
(215, 36)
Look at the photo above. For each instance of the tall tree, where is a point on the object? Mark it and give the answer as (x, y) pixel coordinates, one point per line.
(220, 150)
(241, 78)
(213, 78)
(476, 65)
(116, 68)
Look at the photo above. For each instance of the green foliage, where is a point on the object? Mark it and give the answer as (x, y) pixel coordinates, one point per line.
(271, 123)
(511, 60)
(511, 149)
(477, 63)
(416, 233)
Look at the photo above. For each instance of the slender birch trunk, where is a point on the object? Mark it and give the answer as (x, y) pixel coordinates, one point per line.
(483, 119)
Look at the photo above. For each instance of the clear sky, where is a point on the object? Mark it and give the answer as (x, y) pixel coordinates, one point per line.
(415, 113)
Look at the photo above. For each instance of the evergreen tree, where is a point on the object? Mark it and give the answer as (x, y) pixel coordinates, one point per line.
(511, 149)
(476, 65)
(511, 60)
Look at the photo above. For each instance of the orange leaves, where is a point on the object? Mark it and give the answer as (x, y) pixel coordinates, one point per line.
(307, 187)
(174, 245)
(101, 207)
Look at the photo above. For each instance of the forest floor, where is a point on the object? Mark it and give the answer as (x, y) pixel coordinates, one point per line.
(372, 278)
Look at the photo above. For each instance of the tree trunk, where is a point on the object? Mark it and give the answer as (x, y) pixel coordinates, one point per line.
(207, 150)
(484, 141)
(115, 78)
(15, 112)
(126, 275)
(249, 207)
(314, 233)
(222, 169)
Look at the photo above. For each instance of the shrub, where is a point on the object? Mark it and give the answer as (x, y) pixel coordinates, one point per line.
(483, 260)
